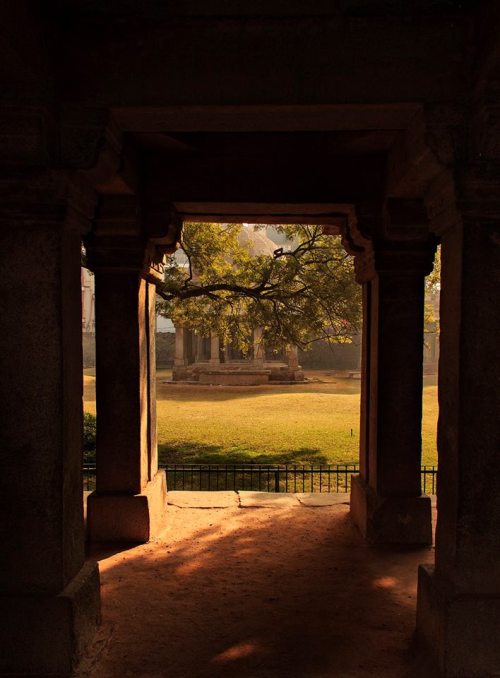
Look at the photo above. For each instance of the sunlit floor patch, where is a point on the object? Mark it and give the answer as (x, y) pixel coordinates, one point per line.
(238, 651)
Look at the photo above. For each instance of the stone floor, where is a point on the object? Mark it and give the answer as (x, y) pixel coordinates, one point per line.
(279, 589)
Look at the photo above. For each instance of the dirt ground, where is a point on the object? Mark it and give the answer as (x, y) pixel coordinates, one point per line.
(260, 593)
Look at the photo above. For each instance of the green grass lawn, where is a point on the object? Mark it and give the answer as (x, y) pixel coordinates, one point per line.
(316, 422)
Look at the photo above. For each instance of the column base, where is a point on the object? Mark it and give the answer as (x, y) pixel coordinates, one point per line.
(390, 520)
(460, 632)
(135, 518)
(47, 634)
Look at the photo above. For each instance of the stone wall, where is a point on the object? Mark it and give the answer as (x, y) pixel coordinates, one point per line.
(326, 356)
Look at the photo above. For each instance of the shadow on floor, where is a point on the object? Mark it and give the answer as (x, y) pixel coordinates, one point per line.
(260, 593)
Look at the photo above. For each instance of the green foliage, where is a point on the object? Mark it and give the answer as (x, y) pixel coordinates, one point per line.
(302, 293)
(432, 290)
(165, 342)
(89, 437)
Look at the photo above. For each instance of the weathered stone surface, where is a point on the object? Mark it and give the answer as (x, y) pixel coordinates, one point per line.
(390, 520)
(458, 609)
(40, 396)
(50, 605)
(47, 634)
(250, 499)
(459, 630)
(186, 499)
(122, 358)
(323, 498)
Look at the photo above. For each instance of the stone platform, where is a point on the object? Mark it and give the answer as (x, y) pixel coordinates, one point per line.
(235, 377)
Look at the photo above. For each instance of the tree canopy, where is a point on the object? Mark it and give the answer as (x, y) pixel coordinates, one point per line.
(299, 293)
(432, 290)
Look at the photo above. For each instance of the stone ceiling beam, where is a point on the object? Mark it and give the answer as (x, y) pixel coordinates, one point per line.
(264, 118)
(266, 213)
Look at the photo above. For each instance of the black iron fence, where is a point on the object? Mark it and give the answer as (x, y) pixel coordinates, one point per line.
(88, 477)
(428, 479)
(264, 477)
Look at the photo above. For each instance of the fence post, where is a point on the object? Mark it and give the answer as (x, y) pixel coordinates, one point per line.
(277, 480)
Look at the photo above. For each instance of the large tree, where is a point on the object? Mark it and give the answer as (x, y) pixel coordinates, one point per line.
(301, 292)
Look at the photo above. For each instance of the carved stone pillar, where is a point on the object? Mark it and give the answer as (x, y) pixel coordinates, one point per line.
(214, 349)
(197, 347)
(179, 358)
(386, 500)
(49, 595)
(293, 357)
(258, 347)
(458, 609)
(129, 503)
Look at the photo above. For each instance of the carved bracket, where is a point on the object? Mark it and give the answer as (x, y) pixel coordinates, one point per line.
(396, 240)
(120, 239)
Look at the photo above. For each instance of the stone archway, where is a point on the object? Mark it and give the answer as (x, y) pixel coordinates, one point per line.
(205, 125)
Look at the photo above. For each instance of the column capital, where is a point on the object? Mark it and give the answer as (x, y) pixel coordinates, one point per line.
(467, 186)
(395, 258)
(478, 190)
(468, 194)
(48, 199)
(122, 241)
(393, 240)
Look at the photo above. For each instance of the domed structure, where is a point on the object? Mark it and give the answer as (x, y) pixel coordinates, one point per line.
(256, 242)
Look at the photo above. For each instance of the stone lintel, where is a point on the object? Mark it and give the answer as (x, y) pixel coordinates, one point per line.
(47, 634)
(404, 520)
(134, 518)
(460, 631)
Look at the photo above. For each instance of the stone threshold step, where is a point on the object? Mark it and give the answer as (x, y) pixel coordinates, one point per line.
(253, 499)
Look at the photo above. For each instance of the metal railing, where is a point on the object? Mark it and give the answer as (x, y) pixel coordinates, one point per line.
(428, 475)
(264, 477)
(88, 477)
